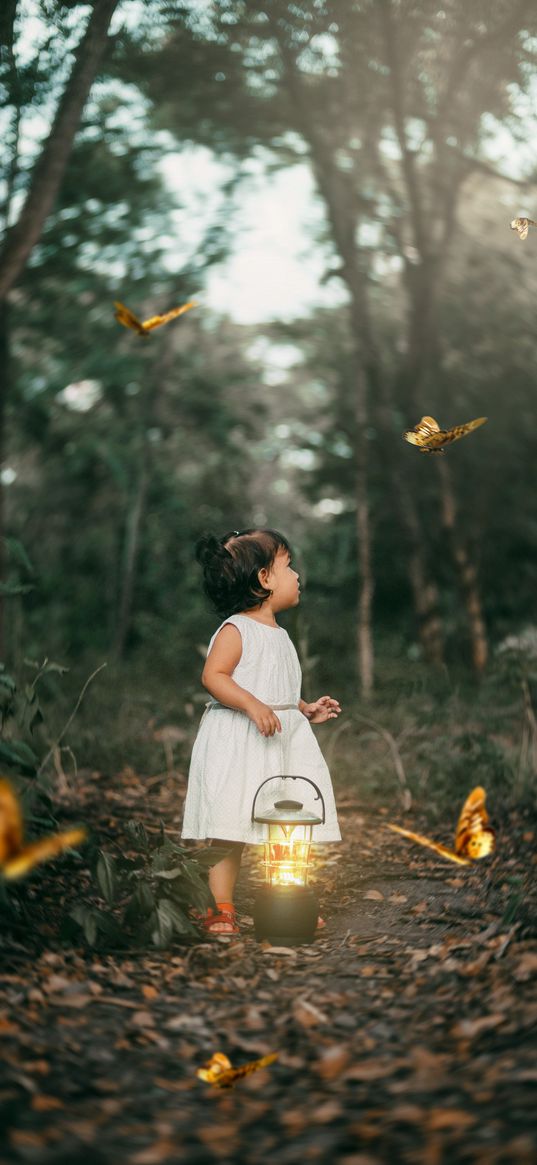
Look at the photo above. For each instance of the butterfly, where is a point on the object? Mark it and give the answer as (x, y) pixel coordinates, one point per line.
(520, 225)
(474, 837)
(17, 859)
(126, 317)
(218, 1069)
(430, 438)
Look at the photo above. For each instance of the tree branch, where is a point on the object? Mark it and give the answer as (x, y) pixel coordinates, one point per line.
(487, 168)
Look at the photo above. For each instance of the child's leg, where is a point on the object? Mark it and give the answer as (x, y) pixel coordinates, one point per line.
(222, 878)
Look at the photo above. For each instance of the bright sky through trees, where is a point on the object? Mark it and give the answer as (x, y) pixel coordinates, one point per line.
(273, 270)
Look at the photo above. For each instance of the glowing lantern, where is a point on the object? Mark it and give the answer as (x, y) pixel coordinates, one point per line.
(286, 908)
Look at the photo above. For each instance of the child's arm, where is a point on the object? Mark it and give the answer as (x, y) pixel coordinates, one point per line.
(325, 708)
(216, 677)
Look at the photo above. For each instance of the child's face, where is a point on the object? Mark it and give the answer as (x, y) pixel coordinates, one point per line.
(282, 580)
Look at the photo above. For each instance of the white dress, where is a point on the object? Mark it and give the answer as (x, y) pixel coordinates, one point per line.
(231, 758)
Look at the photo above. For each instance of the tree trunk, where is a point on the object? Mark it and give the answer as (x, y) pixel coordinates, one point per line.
(365, 649)
(45, 182)
(5, 375)
(343, 230)
(50, 167)
(467, 573)
(137, 511)
(424, 347)
(423, 588)
(134, 526)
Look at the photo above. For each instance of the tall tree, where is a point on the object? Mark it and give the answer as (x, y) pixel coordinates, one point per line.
(42, 184)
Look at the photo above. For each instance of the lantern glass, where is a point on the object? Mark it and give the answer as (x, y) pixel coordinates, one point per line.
(287, 851)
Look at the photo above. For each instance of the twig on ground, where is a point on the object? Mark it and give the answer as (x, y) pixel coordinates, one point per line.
(396, 757)
(70, 719)
(504, 945)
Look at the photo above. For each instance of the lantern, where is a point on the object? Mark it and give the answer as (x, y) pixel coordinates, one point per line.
(286, 908)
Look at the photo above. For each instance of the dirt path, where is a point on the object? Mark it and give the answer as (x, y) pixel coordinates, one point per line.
(405, 1032)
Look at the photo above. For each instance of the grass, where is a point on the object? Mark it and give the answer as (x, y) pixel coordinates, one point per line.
(435, 739)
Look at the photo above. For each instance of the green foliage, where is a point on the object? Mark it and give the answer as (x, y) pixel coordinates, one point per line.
(21, 714)
(459, 761)
(148, 898)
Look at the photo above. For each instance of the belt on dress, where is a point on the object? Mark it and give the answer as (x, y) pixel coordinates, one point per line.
(274, 707)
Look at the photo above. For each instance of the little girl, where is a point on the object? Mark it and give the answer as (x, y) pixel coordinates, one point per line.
(256, 726)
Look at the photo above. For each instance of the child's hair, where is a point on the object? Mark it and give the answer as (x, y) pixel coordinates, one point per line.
(231, 564)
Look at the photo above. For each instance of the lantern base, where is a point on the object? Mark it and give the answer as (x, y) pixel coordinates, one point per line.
(286, 916)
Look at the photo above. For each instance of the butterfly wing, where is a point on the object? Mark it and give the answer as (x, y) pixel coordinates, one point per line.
(521, 225)
(474, 836)
(220, 1072)
(11, 830)
(423, 432)
(158, 321)
(434, 845)
(40, 851)
(214, 1068)
(229, 1078)
(459, 431)
(126, 317)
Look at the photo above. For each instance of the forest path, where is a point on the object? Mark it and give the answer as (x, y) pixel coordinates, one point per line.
(405, 1032)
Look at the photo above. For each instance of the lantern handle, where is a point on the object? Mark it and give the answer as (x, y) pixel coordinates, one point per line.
(281, 777)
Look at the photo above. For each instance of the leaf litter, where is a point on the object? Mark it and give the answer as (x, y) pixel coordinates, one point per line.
(405, 1032)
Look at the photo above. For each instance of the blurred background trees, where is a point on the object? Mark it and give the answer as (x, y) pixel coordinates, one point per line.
(416, 121)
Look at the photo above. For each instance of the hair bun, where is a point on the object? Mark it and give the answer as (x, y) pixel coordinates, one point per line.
(209, 548)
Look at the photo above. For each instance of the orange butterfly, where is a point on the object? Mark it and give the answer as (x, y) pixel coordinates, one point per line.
(218, 1069)
(521, 225)
(474, 837)
(126, 317)
(17, 859)
(430, 438)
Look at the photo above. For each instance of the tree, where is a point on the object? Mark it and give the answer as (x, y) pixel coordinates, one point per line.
(43, 182)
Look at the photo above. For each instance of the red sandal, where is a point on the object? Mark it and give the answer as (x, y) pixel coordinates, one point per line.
(225, 913)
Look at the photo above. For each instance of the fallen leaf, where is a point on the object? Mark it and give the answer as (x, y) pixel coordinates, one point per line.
(40, 1066)
(149, 992)
(74, 1001)
(289, 951)
(218, 1135)
(24, 1139)
(331, 1110)
(370, 1070)
(406, 1114)
(526, 968)
(332, 1061)
(42, 1103)
(307, 1014)
(162, 1150)
(7, 1028)
(449, 1118)
(143, 1019)
(374, 895)
(468, 1029)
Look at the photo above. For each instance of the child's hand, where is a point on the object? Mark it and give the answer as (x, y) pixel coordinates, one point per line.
(265, 719)
(325, 708)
